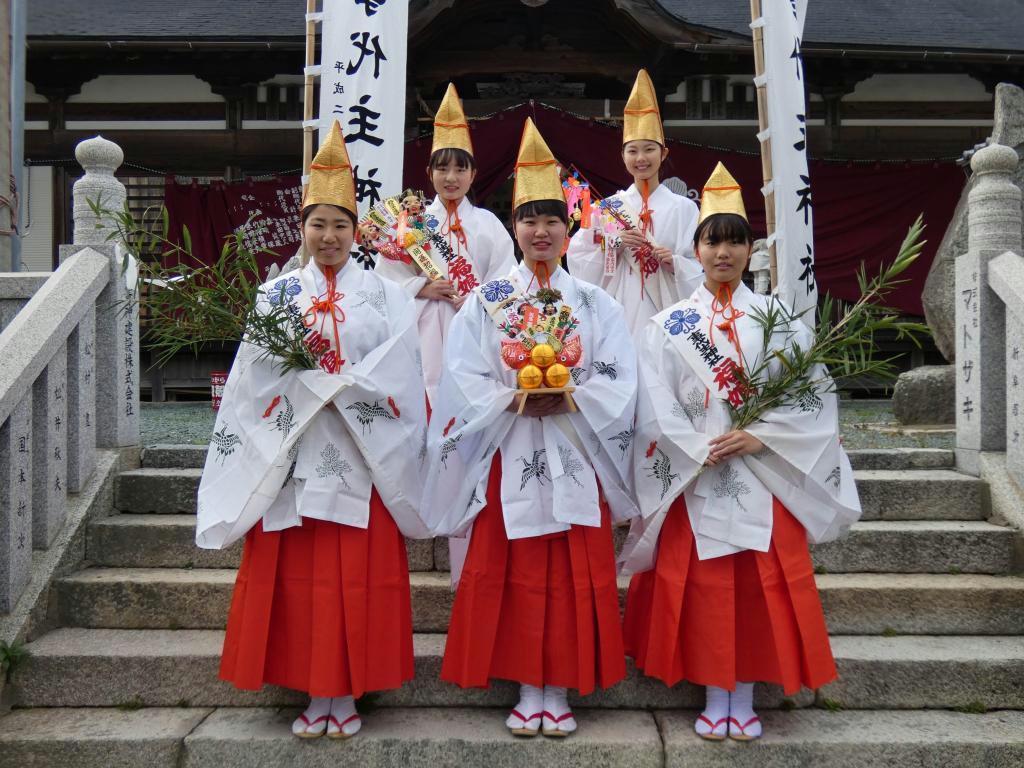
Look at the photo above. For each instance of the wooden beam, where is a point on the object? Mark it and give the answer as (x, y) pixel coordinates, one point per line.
(308, 92)
(766, 145)
(454, 64)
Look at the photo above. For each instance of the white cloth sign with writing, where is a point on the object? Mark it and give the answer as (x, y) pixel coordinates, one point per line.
(787, 124)
(362, 85)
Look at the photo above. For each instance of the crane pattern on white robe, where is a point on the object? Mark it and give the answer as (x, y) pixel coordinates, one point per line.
(549, 465)
(679, 410)
(312, 444)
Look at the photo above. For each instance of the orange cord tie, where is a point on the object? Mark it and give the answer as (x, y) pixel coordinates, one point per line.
(453, 223)
(729, 315)
(542, 282)
(321, 167)
(325, 306)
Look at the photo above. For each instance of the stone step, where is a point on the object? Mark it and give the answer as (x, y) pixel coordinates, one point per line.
(875, 458)
(921, 494)
(184, 456)
(855, 739)
(75, 667)
(868, 603)
(168, 541)
(424, 738)
(917, 546)
(886, 494)
(169, 456)
(428, 738)
(166, 491)
(97, 738)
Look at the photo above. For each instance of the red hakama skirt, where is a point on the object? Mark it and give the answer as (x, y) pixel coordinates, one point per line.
(542, 610)
(322, 608)
(751, 616)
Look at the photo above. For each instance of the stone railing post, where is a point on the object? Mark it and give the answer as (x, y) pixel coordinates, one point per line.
(994, 227)
(99, 159)
(15, 503)
(109, 361)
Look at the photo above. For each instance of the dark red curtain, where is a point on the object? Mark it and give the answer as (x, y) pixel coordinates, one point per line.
(861, 211)
(266, 213)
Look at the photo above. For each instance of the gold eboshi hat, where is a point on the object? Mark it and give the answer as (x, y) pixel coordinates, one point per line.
(330, 174)
(451, 130)
(722, 194)
(642, 118)
(536, 170)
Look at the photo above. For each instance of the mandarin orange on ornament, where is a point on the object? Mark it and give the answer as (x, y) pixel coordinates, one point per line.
(557, 376)
(530, 377)
(542, 355)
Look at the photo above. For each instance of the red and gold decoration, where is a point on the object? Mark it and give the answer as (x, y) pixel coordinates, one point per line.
(542, 345)
(398, 228)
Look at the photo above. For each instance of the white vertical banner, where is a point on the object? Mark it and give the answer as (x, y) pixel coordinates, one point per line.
(783, 22)
(364, 46)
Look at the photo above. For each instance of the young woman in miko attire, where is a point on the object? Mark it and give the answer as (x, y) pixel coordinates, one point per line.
(666, 224)
(481, 246)
(724, 591)
(537, 599)
(320, 471)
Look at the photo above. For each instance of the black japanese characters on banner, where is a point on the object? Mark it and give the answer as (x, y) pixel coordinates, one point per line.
(362, 85)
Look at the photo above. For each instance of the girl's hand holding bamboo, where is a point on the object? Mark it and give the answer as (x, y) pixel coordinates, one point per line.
(738, 442)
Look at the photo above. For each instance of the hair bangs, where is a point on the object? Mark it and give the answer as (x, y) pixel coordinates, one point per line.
(724, 227)
(452, 156)
(538, 208)
(308, 211)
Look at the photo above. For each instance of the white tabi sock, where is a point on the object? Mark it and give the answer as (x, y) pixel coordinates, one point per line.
(712, 723)
(524, 720)
(558, 718)
(744, 724)
(313, 722)
(346, 721)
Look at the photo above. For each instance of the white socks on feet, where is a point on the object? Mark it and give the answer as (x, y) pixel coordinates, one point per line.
(744, 724)
(558, 719)
(344, 721)
(313, 722)
(712, 723)
(524, 720)
(335, 717)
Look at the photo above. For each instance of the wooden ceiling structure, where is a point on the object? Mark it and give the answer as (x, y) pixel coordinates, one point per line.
(499, 52)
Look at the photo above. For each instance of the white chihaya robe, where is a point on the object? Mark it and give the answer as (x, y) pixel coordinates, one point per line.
(673, 220)
(311, 443)
(489, 251)
(730, 505)
(550, 466)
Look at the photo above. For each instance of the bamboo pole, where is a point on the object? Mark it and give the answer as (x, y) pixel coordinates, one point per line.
(307, 99)
(766, 145)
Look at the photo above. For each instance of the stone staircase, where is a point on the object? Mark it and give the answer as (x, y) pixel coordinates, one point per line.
(926, 614)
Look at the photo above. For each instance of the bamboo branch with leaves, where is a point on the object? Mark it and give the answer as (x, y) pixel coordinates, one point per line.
(191, 306)
(842, 349)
